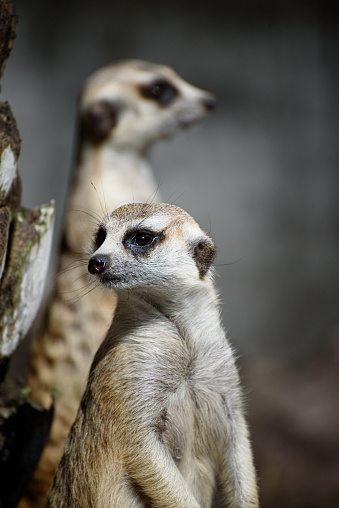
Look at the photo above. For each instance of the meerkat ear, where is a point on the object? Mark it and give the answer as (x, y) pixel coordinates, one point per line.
(98, 120)
(203, 255)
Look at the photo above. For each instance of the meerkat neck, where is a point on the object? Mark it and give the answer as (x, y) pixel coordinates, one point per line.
(195, 315)
(130, 166)
(115, 158)
(126, 171)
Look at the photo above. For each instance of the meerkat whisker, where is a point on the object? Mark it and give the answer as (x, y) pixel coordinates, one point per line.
(70, 269)
(85, 229)
(78, 290)
(73, 265)
(73, 301)
(152, 196)
(102, 206)
(177, 198)
(95, 216)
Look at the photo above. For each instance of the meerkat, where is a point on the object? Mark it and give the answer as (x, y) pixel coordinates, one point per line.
(161, 422)
(123, 109)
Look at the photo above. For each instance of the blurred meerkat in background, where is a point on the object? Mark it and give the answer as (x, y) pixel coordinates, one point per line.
(161, 422)
(123, 109)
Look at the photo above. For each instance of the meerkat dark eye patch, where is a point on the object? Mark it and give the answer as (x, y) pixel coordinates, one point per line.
(100, 237)
(99, 119)
(141, 241)
(161, 91)
(203, 255)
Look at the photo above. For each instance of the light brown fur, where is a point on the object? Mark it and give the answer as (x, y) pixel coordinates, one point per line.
(161, 421)
(117, 125)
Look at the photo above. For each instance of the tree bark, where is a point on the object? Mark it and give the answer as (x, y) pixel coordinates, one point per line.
(8, 21)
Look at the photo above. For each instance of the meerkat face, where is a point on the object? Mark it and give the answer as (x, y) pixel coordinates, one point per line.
(150, 247)
(133, 103)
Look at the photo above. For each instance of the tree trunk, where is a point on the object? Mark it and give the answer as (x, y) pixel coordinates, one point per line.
(25, 242)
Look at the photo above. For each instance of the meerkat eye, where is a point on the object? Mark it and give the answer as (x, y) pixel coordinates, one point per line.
(143, 239)
(100, 237)
(161, 91)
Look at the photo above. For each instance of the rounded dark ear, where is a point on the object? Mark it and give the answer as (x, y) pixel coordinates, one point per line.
(203, 255)
(98, 120)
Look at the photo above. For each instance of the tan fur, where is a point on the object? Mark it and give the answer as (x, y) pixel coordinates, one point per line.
(117, 125)
(161, 421)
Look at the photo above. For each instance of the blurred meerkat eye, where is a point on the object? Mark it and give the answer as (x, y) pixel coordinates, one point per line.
(100, 237)
(143, 239)
(162, 92)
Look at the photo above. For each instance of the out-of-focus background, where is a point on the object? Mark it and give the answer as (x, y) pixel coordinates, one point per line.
(260, 174)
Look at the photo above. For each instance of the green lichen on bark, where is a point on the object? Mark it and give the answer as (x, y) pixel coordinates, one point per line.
(23, 280)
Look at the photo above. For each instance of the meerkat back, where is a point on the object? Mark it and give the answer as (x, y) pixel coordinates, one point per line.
(161, 422)
(123, 109)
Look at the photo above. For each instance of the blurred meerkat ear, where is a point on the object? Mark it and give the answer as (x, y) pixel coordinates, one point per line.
(98, 120)
(203, 255)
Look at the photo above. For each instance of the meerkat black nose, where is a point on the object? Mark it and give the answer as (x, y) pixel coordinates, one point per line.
(210, 103)
(97, 265)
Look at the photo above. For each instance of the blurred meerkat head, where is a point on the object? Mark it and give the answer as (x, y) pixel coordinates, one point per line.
(132, 103)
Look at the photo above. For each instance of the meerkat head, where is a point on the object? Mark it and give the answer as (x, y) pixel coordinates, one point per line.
(133, 103)
(155, 247)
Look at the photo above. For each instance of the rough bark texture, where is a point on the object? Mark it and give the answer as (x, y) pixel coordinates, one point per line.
(24, 430)
(8, 21)
(25, 241)
(25, 271)
(10, 183)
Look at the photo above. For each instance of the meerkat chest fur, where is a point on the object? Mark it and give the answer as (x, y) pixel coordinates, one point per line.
(177, 374)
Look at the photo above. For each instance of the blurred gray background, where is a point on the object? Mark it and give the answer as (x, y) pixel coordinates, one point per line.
(260, 173)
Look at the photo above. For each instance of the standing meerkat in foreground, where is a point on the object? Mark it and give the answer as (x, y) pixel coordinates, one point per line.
(161, 422)
(123, 109)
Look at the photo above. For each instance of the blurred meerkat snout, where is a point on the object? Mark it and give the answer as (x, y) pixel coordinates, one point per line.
(210, 103)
